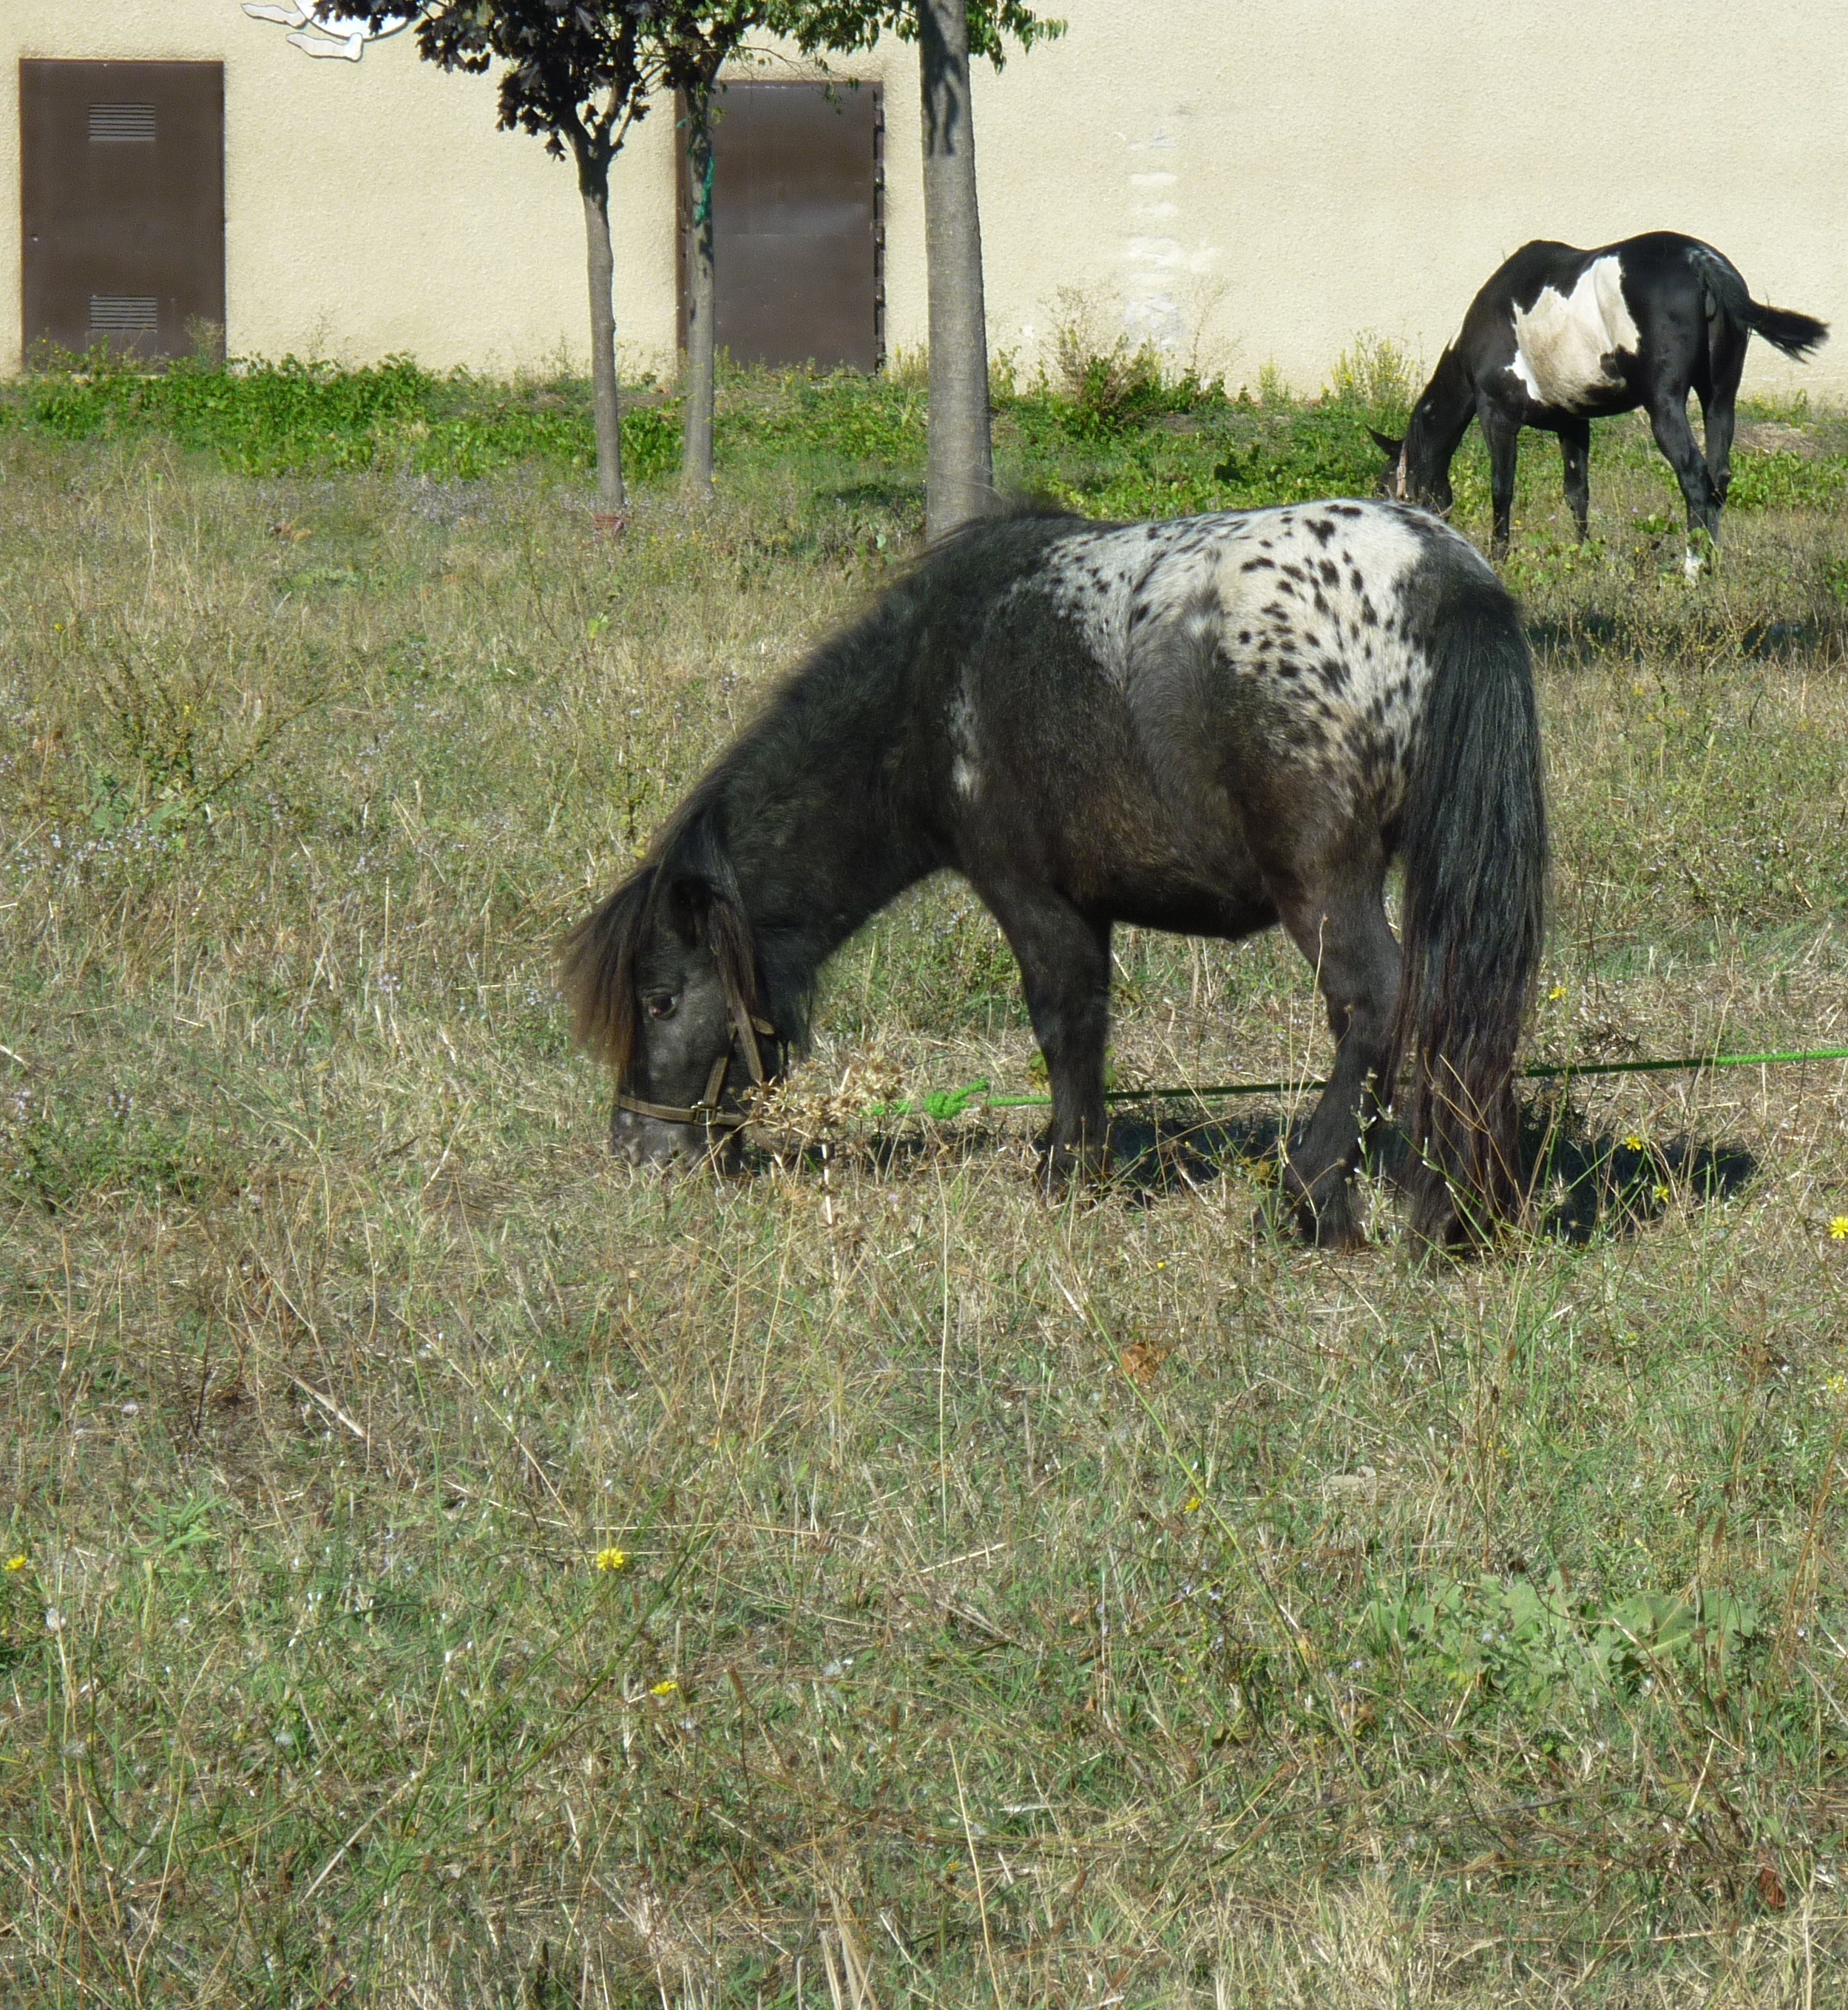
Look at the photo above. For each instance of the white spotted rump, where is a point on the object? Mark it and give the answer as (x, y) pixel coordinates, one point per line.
(1308, 602)
(1562, 343)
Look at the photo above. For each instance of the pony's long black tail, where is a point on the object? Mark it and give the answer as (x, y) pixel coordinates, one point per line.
(1473, 839)
(1799, 336)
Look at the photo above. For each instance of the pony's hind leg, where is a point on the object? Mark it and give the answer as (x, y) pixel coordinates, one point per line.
(1345, 937)
(1065, 967)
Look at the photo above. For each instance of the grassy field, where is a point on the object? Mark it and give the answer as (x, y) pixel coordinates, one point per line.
(443, 1567)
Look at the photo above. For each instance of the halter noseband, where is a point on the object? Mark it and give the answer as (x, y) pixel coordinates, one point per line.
(705, 1114)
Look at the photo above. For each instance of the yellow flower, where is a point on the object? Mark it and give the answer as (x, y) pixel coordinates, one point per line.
(1556, 992)
(1192, 1505)
(1838, 1232)
(612, 1559)
(666, 1688)
(15, 1564)
(1837, 1384)
(1632, 1143)
(1661, 1193)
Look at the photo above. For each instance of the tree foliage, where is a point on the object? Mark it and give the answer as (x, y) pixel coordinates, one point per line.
(574, 73)
(847, 25)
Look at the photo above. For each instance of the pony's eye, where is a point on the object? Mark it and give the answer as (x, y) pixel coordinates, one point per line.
(661, 1004)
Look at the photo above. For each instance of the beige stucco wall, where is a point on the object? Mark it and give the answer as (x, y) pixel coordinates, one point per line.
(1257, 179)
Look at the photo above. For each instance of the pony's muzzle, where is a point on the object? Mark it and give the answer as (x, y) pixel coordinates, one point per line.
(646, 1141)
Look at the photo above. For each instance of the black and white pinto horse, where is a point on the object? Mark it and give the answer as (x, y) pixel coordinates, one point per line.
(1559, 337)
(1210, 726)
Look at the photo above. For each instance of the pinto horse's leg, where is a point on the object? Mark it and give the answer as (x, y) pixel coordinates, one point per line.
(1717, 412)
(1575, 450)
(1064, 967)
(1668, 421)
(1727, 366)
(1502, 432)
(1344, 934)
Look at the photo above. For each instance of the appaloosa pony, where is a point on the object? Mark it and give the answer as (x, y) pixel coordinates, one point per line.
(1211, 725)
(1560, 337)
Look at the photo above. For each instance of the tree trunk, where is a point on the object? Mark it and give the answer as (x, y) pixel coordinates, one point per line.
(696, 467)
(960, 479)
(613, 499)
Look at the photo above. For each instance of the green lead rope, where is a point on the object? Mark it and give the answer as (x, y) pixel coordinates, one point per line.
(941, 1104)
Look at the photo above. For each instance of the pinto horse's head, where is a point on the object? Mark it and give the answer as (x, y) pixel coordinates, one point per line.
(664, 983)
(1392, 476)
(1413, 473)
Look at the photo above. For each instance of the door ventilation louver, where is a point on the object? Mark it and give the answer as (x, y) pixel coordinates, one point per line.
(124, 313)
(121, 125)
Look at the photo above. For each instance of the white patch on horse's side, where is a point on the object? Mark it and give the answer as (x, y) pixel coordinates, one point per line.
(1561, 342)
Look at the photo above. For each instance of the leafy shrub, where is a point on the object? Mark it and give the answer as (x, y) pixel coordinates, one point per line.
(1375, 376)
(1787, 481)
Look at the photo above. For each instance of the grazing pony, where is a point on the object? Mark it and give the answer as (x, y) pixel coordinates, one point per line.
(1559, 337)
(1211, 725)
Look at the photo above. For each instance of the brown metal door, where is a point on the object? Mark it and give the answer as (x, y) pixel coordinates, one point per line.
(122, 190)
(796, 225)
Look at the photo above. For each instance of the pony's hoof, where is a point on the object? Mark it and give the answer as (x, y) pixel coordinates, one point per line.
(1066, 1168)
(1319, 1232)
(1333, 1226)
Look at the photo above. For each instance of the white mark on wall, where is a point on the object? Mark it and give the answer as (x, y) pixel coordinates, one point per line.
(1163, 273)
(322, 30)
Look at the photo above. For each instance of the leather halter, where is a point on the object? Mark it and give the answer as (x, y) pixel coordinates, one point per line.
(705, 1114)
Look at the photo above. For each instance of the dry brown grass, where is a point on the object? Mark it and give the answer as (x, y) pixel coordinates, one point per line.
(1002, 1614)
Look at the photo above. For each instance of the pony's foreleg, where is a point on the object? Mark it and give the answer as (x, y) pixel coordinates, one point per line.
(1575, 451)
(1065, 967)
(1356, 965)
(1668, 421)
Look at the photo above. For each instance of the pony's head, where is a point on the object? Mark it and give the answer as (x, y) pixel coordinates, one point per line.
(664, 983)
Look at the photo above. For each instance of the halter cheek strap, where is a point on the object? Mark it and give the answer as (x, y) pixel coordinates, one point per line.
(705, 1114)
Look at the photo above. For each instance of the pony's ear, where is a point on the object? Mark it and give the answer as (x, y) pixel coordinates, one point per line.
(1387, 445)
(687, 902)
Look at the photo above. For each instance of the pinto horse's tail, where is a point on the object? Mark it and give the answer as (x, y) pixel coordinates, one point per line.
(1473, 839)
(1798, 335)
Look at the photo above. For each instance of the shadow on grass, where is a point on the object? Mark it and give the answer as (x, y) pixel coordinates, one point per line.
(1587, 1181)
(1587, 636)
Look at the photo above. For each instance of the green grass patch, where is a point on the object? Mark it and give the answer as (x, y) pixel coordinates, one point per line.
(1117, 436)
